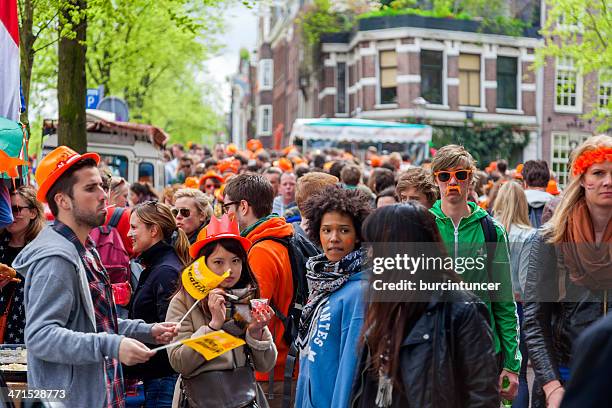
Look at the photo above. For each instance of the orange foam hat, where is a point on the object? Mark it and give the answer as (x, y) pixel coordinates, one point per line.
(254, 145)
(225, 227)
(191, 182)
(552, 187)
(231, 149)
(228, 164)
(285, 164)
(518, 173)
(53, 165)
(375, 161)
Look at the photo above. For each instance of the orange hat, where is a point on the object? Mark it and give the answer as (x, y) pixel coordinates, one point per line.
(288, 150)
(231, 149)
(254, 145)
(210, 174)
(228, 164)
(375, 161)
(225, 227)
(53, 165)
(285, 164)
(552, 187)
(518, 173)
(191, 182)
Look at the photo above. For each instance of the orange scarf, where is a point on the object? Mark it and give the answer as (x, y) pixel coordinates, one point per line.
(589, 264)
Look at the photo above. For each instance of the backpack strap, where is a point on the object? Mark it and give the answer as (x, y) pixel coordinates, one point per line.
(116, 217)
(490, 235)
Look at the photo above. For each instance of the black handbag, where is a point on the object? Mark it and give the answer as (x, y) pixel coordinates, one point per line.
(233, 388)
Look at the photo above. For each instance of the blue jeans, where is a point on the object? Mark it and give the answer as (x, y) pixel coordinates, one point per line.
(159, 392)
(522, 397)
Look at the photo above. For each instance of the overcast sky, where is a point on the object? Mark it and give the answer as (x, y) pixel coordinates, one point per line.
(241, 32)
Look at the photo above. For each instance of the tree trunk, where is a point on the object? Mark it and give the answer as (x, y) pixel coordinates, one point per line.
(71, 78)
(26, 48)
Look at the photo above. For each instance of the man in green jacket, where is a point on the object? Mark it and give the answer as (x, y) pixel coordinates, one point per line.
(461, 227)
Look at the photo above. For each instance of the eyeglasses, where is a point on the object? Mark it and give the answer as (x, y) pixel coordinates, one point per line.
(16, 209)
(460, 175)
(225, 207)
(185, 212)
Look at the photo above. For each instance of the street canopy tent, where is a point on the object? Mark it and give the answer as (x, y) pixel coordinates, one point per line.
(334, 132)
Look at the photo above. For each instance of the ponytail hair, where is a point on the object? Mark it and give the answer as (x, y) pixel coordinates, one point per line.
(159, 214)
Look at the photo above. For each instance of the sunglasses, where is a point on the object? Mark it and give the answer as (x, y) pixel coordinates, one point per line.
(460, 175)
(185, 212)
(16, 209)
(225, 207)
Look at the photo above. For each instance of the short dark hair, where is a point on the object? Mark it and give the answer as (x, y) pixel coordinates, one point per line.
(354, 203)
(536, 173)
(301, 169)
(255, 189)
(350, 175)
(502, 166)
(387, 192)
(381, 178)
(336, 168)
(65, 183)
(318, 161)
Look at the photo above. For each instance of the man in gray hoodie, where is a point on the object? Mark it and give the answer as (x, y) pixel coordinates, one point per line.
(74, 339)
(535, 176)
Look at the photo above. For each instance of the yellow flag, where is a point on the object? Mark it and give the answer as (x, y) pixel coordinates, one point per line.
(198, 280)
(213, 344)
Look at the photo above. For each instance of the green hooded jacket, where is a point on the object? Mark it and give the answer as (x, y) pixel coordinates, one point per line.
(467, 240)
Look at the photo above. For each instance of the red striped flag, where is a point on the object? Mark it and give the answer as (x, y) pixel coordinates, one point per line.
(9, 60)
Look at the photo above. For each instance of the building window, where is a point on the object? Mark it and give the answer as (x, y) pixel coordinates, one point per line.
(341, 87)
(432, 66)
(265, 120)
(562, 146)
(507, 70)
(469, 80)
(567, 85)
(605, 88)
(388, 73)
(265, 75)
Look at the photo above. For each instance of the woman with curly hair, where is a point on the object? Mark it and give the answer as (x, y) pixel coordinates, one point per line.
(332, 318)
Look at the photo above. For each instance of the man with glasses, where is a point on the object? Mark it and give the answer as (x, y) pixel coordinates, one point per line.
(469, 232)
(249, 197)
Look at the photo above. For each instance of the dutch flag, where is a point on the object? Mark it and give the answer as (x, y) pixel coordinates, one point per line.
(10, 101)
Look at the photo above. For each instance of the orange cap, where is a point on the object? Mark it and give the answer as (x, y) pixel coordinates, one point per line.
(552, 187)
(254, 145)
(285, 164)
(225, 227)
(53, 165)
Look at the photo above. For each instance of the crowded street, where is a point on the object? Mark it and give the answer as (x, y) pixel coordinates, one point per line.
(310, 204)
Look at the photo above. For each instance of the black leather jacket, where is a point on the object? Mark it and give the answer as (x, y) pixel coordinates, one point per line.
(556, 312)
(447, 359)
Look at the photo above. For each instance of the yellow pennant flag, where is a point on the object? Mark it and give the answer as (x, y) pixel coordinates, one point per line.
(213, 344)
(198, 280)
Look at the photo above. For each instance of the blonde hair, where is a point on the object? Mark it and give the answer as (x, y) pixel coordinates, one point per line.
(116, 183)
(420, 179)
(511, 206)
(168, 193)
(452, 156)
(200, 199)
(28, 194)
(557, 226)
(155, 213)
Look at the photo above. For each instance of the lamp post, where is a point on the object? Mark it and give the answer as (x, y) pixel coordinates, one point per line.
(419, 110)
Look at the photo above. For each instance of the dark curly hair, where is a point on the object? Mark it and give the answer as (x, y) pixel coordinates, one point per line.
(354, 203)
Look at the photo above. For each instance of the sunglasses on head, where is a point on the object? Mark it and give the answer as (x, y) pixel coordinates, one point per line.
(185, 212)
(460, 175)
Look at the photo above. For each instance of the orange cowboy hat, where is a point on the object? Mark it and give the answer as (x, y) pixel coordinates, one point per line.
(210, 174)
(53, 165)
(219, 228)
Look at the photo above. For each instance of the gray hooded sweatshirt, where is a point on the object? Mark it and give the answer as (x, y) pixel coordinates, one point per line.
(537, 198)
(64, 350)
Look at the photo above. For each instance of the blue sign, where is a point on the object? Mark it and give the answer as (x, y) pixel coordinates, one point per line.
(93, 98)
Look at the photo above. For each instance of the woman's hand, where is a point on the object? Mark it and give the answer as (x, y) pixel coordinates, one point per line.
(216, 304)
(261, 318)
(554, 394)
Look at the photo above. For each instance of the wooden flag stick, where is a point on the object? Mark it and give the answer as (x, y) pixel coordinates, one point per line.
(189, 311)
(165, 346)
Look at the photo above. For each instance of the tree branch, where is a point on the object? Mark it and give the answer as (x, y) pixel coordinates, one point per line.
(596, 29)
(46, 45)
(45, 26)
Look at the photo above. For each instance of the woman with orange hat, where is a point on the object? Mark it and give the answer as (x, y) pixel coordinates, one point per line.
(210, 182)
(230, 307)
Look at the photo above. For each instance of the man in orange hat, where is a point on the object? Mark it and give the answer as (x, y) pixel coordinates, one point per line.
(75, 341)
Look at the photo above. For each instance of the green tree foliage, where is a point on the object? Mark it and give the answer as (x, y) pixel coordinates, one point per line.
(320, 18)
(485, 143)
(581, 30)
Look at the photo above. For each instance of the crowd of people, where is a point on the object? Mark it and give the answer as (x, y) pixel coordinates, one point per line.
(98, 284)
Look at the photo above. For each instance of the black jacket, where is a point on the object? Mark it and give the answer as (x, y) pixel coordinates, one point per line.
(554, 318)
(150, 301)
(447, 359)
(591, 381)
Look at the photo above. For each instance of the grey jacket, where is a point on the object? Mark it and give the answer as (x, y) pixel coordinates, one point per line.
(64, 350)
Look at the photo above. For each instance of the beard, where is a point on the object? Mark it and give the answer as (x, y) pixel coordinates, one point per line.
(88, 218)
